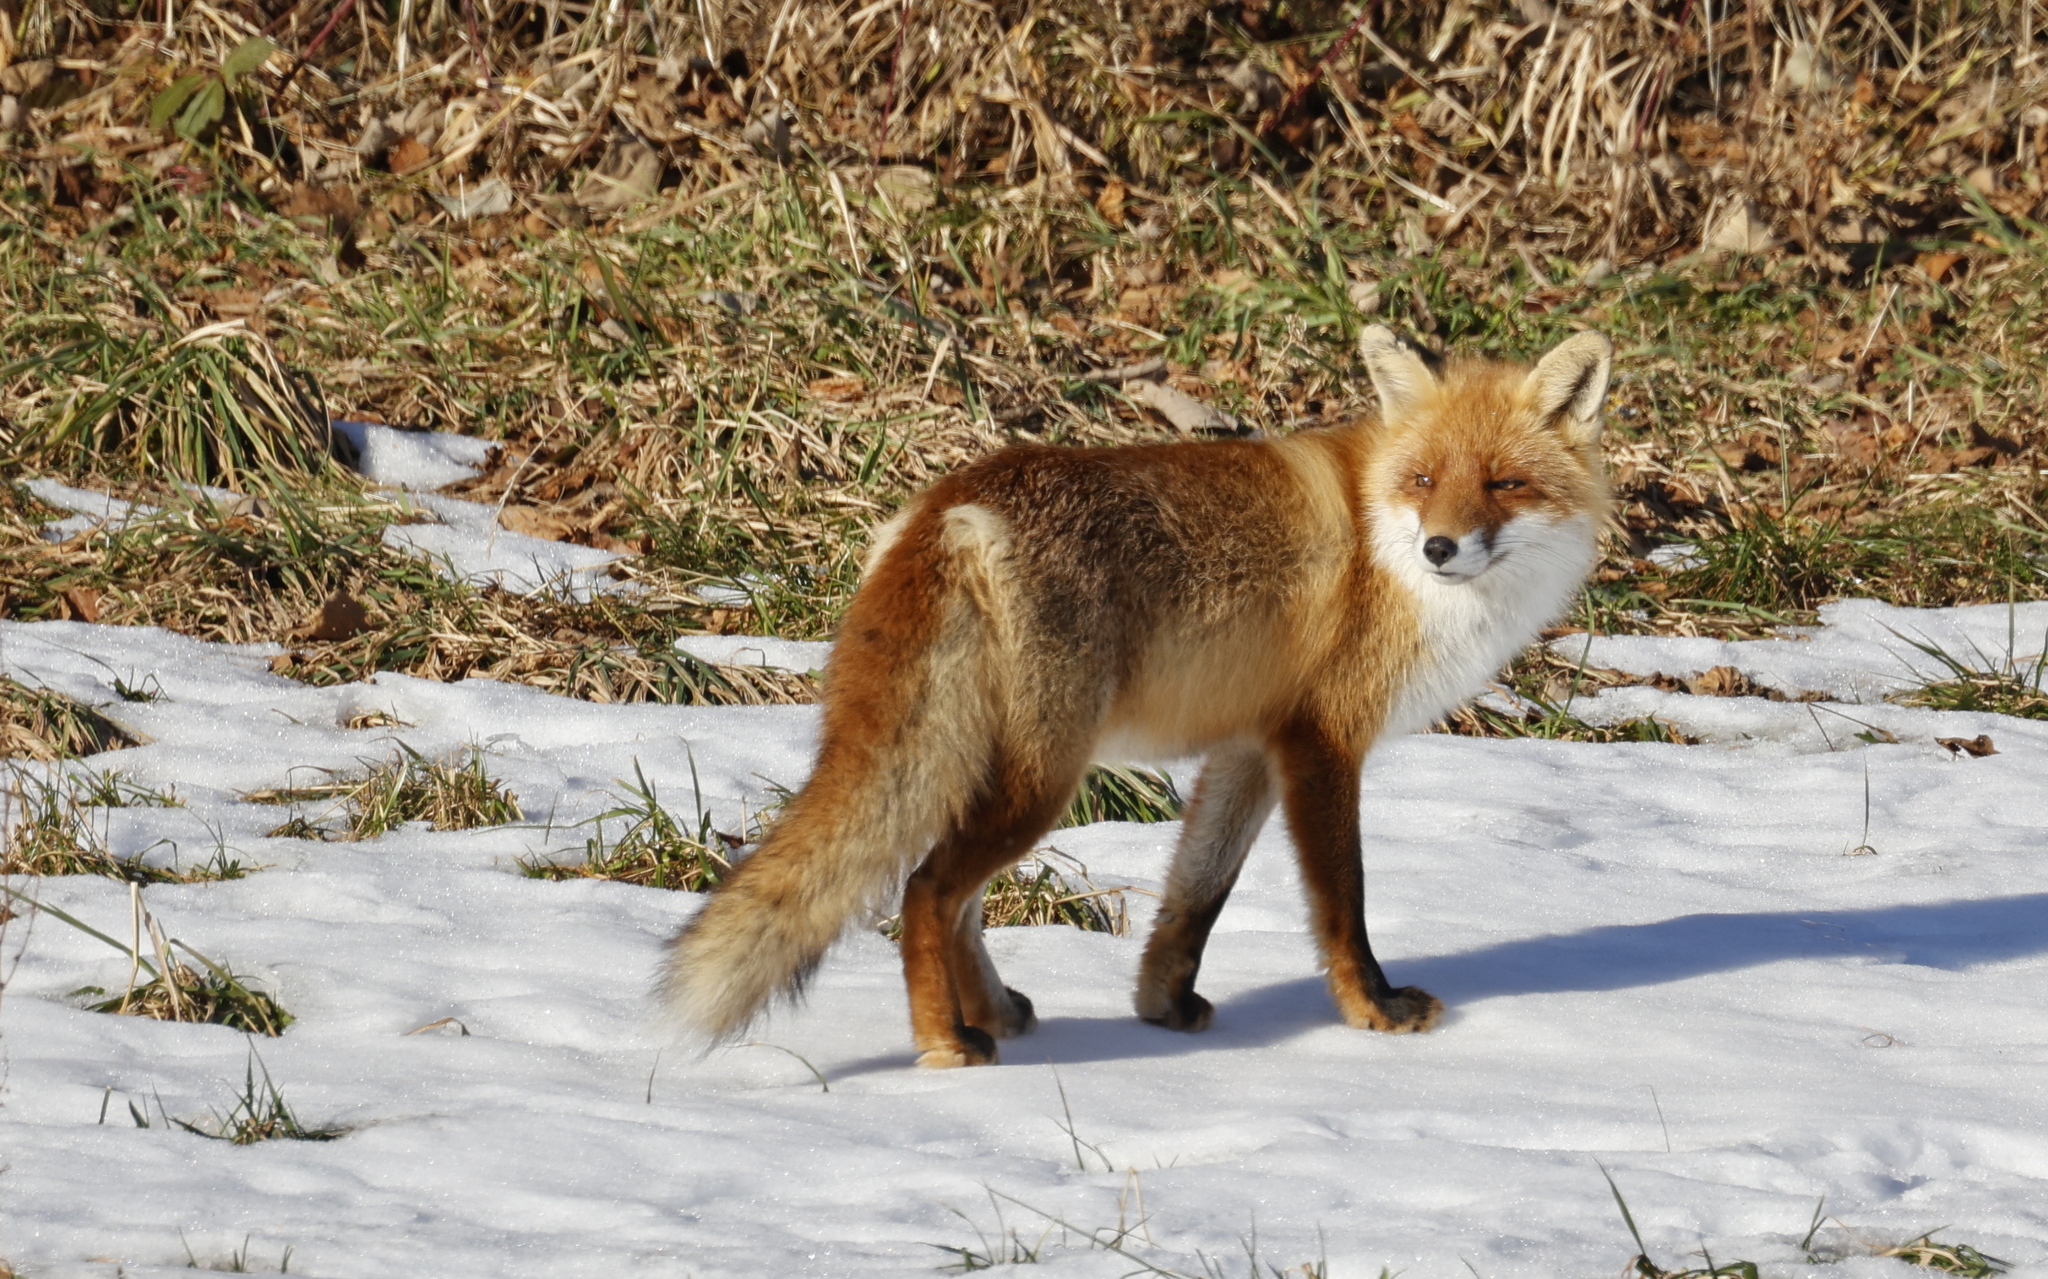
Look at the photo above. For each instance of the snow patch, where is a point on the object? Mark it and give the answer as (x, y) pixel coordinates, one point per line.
(1862, 651)
(757, 650)
(415, 460)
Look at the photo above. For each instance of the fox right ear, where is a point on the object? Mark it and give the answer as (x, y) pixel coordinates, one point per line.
(1399, 375)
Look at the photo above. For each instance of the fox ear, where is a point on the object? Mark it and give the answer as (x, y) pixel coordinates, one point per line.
(1399, 375)
(1572, 381)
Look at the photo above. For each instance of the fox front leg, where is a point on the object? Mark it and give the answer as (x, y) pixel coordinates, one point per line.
(1231, 803)
(1320, 792)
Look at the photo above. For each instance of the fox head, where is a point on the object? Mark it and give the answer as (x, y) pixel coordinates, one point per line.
(1483, 465)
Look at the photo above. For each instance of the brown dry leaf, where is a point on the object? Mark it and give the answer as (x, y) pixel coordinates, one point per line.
(837, 388)
(83, 604)
(232, 303)
(1110, 204)
(1723, 681)
(1746, 454)
(408, 156)
(1147, 304)
(341, 616)
(535, 522)
(628, 174)
(1938, 265)
(335, 209)
(1853, 442)
(1975, 747)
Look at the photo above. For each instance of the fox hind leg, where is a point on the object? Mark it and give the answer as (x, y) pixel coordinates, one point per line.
(1321, 783)
(958, 1006)
(984, 1000)
(1231, 803)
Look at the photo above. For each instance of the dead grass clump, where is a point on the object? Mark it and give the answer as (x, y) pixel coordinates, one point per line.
(209, 406)
(55, 824)
(267, 571)
(1119, 793)
(1047, 887)
(411, 787)
(1050, 887)
(44, 725)
(259, 1113)
(1951, 1258)
(655, 850)
(1556, 724)
(179, 993)
(164, 987)
(2014, 686)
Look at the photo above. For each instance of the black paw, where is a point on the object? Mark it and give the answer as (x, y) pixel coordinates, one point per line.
(1190, 1012)
(1023, 1017)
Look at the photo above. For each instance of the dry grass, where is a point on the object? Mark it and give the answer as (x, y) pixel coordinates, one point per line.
(160, 984)
(44, 725)
(738, 369)
(2013, 685)
(1050, 887)
(1591, 126)
(1951, 1258)
(179, 993)
(654, 850)
(264, 573)
(55, 823)
(448, 795)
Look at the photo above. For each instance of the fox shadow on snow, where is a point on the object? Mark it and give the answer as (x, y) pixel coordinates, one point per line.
(1947, 935)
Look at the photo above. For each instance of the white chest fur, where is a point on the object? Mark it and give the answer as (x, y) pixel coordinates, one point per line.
(1470, 629)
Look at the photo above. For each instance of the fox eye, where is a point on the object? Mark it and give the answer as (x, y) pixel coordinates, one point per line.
(1424, 481)
(1503, 486)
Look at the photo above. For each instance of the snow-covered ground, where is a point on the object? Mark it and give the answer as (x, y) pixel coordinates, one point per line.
(1662, 959)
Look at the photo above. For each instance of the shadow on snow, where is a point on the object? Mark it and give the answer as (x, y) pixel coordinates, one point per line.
(1946, 935)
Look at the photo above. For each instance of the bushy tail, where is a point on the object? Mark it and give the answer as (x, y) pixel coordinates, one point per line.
(905, 747)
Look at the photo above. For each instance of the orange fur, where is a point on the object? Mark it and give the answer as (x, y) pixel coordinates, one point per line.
(1277, 605)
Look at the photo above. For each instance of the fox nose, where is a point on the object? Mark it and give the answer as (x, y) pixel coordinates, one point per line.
(1439, 550)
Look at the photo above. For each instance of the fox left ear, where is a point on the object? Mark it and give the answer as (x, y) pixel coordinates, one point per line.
(1572, 381)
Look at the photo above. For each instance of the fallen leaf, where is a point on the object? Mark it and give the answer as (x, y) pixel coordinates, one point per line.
(1110, 204)
(1186, 413)
(1938, 265)
(341, 616)
(1722, 681)
(534, 522)
(628, 174)
(1975, 747)
(83, 602)
(486, 199)
(408, 155)
(837, 388)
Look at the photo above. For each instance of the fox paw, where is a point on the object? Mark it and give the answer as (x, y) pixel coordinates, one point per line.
(1186, 1011)
(1405, 1011)
(1021, 1018)
(971, 1046)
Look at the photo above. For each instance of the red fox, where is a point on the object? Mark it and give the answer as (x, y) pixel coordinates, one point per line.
(1276, 605)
